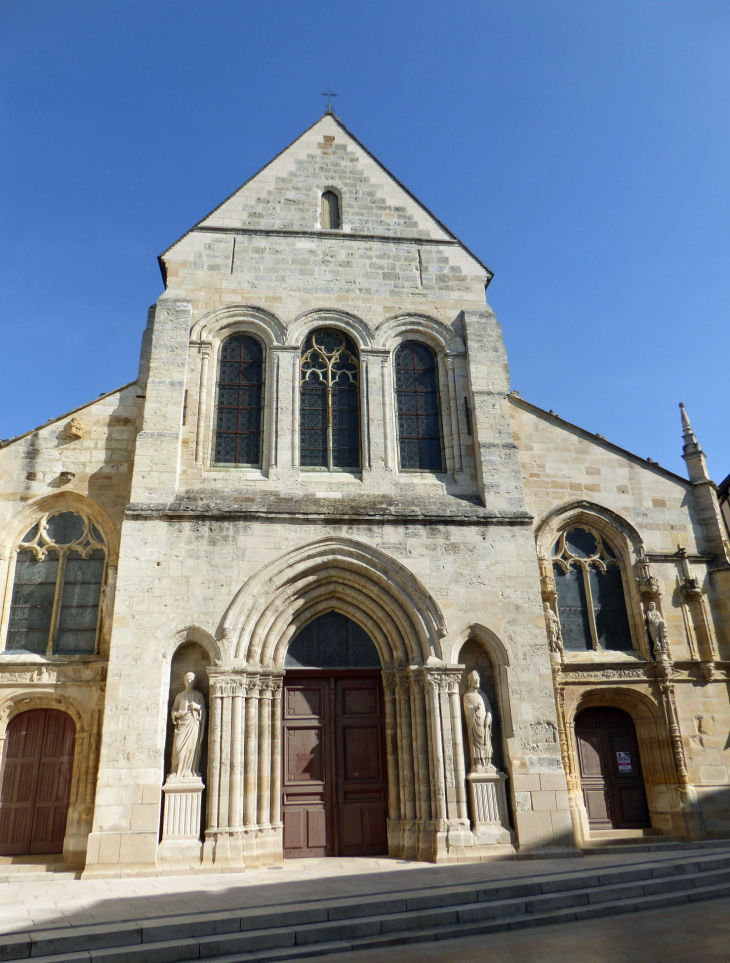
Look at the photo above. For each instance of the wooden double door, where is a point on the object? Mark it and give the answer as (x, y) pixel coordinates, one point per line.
(610, 769)
(334, 780)
(36, 782)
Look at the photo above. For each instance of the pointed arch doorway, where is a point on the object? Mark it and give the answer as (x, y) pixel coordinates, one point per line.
(334, 773)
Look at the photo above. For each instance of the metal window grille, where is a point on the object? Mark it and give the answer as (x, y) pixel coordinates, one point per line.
(59, 574)
(591, 601)
(329, 406)
(417, 396)
(239, 414)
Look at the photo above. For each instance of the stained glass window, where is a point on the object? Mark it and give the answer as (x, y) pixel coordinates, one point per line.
(239, 415)
(329, 405)
(591, 602)
(59, 573)
(416, 389)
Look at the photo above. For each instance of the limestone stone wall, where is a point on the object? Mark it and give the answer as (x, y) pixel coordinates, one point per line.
(649, 513)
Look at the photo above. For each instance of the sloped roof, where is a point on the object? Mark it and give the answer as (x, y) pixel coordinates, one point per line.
(330, 117)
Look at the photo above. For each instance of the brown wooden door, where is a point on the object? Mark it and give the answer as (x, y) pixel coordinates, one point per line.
(360, 768)
(307, 758)
(334, 789)
(610, 770)
(36, 782)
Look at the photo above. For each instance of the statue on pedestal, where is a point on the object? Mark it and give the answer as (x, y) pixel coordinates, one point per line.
(554, 633)
(188, 717)
(657, 629)
(478, 713)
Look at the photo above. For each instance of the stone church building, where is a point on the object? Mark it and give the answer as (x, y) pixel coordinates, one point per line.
(244, 597)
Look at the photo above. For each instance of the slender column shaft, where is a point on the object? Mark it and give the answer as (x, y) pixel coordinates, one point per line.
(225, 758)
(276, 754)
(387, 415)
(405, 748)
(250, 756)
(421, 747)
(264, 775)
(236, 788)
(433, 725)
(214, 753)
(391, 748)
(458, 739)
(202, 403)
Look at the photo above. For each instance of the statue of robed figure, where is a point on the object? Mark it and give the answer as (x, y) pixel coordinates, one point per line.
(188, 718)
(478, 713)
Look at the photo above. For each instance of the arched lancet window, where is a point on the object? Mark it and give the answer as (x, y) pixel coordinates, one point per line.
(417, 395)
(330, 218)
(329, 408)
(239, 415)
(591, 603)
(59, 572)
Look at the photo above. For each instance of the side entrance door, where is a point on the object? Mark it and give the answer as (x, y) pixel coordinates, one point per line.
(610, 770)
(334, 780)
(36, 782)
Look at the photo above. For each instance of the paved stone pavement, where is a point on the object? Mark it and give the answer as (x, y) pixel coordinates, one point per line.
(30, 904)
(699, 933)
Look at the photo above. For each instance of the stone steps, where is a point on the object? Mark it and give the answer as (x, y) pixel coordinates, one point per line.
(315, 927)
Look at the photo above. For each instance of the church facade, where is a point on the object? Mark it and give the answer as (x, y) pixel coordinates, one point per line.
(319, 582)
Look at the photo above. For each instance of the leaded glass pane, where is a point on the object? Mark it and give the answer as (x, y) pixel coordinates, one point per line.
(573, 609)
(419, 428)
(31, 608)
(609, 605)
(581, 543)
(240, 401)
(79, 613)
(329, 408)
(65, 528)
(333, 641)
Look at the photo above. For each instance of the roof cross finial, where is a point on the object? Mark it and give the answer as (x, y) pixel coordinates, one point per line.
(329, 95)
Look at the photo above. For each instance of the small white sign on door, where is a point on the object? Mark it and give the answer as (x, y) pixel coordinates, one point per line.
(624, 762)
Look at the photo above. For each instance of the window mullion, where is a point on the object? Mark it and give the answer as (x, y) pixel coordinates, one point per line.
(330, 458)
(591, 610)
(55, 615)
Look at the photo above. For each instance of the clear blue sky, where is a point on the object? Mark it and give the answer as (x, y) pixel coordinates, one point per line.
(579, 148)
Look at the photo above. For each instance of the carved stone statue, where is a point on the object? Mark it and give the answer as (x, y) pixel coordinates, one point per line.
(75, 429)
(657, 629)
(188, 717)
(478, 713)
(554, 633)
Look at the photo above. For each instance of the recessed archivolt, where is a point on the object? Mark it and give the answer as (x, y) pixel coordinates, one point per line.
(621, 534)
(418, 327)
(325, 318)
(19, 701)
(231, 318)
(189, 633)
(374, 590)
(16, 526)
(639, 706)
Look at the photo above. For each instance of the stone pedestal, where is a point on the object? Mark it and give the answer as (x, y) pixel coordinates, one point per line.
(488, 798)
(181, 823)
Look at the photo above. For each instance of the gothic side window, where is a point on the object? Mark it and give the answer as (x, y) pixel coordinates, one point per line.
(591, 602)
(417, 397)
(59, 573)
(329, 403)
(330, 214)
(239, 414)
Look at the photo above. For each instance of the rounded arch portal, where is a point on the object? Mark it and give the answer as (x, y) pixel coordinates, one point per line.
(364, 584)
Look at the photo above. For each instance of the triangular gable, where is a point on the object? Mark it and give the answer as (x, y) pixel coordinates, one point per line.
(283, 195)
